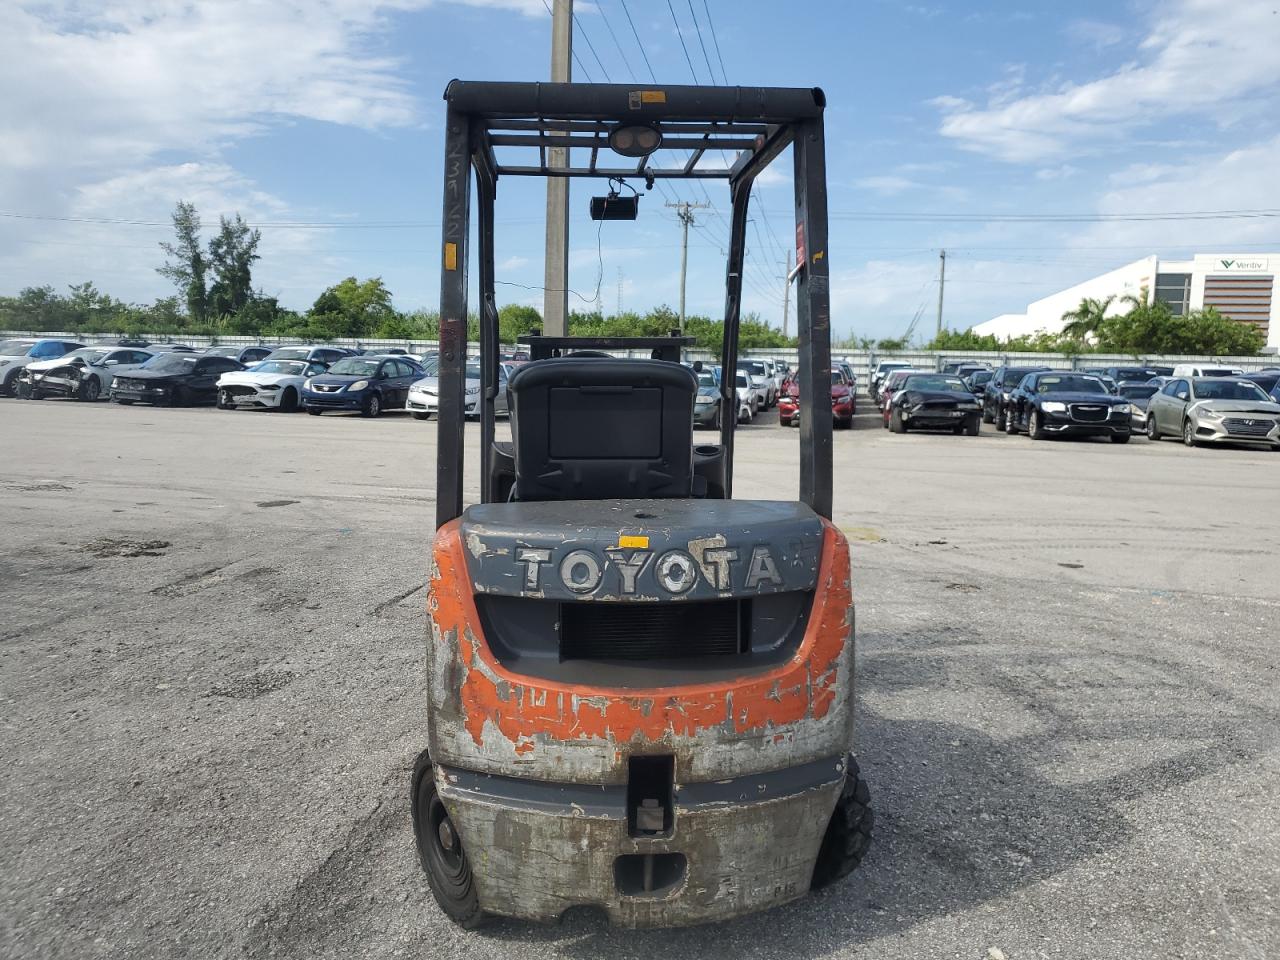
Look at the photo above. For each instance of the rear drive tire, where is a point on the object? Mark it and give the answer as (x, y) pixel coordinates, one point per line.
(289, 402)
(848, 833)
(440, 851)
(895, 421)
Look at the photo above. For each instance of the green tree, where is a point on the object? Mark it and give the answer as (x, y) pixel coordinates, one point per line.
(1087, 319)
(515, 319)
(351, 309)
(187, 265)
(232, 254)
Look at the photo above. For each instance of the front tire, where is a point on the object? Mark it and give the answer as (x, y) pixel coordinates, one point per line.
(420, 415)
(90, 389)
(1153, 431)
(1189, 433)
(896, 424)
(848, 832)
(986, 414)
(440, 851)
(1001, 418)
(224, 400)
(1120, 438)
(1034, 430)
(1010, 424)
(315, 412)
(972, 426)
(22, 389)
(372, 406)
(289, 402)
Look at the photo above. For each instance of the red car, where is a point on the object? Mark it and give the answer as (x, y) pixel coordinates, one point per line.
(843, 402)
(891, 385)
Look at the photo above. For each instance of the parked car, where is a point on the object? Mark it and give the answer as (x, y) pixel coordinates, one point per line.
(1131, 374)
(369, 385)
(424, 393)
(1138, 395)
(84, 374)
(962, 368)
(321, 354)
(996, 395)
(977, 382)
(267, 385)
(761, 382)
(1205, 410)
(706, 404)
(174, 379)
(1063, 403)
(843, 401)
(1266, 379)
(889, 386)
(934, 401)
(16, 354)
(882, 370)
(245, 355)
(748, 396)
(1205, 370)
(849, 375)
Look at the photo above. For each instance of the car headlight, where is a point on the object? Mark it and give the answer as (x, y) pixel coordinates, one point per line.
(472, 391)
(1206, 414)
(1122, 408)
(269, 386)
(306, 384)
(1053, 406)
(358, 385)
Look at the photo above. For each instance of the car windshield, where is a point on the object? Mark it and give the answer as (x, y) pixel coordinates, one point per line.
(755, 367)
(926, 382)
(222, 352)
(430, 365)
(1138, 391)
(837, 378)
(171, 363)
(706, 380)
(1070, 383)
(87, 354)
(741, 379)
(1132, 373)
(15, 348)
(1210, 372)
(294, 368)
(291, 353)
(980, 376)
(473, 372)
(1229, 390)
(355, 367)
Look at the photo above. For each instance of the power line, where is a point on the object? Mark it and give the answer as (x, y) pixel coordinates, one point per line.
(710, 72)
(573, 52)
(622, 53)
(716, 41)
(680, 37)
(590, 46)
(652, 76)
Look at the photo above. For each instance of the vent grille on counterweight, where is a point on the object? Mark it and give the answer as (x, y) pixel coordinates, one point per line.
(654, 631)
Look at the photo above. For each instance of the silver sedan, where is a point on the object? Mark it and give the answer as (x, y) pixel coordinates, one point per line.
(1205, 410)
(424, 394)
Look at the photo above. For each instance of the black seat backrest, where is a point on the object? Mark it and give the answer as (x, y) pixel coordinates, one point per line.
(588, 428)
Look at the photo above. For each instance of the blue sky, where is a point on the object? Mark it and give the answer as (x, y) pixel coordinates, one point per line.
(942, 116)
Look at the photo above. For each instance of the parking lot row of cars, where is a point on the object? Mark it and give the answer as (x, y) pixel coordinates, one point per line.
(1200, 404)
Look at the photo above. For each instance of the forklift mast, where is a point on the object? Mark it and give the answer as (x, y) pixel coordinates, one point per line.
(506, 129)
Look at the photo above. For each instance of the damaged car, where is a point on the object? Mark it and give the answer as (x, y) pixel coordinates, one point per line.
(174, 380)
(268, 385)
(934, 401)
(1213, 410)
(85, 374)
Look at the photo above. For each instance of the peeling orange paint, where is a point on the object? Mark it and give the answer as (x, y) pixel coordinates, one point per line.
(523, 708)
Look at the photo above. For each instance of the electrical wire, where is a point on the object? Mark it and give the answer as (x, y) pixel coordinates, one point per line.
(652, 76)
(696, 26)
(680, 37)
(573, 52)
(716, 41)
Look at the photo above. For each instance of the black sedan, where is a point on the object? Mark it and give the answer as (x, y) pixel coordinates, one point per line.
(1061, 403)
(173, 379)
(935, 401)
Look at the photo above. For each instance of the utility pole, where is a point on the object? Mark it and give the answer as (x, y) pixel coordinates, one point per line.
(786, 294)
(620, 282)
(555, 295)
(942, 286)
(684, 210)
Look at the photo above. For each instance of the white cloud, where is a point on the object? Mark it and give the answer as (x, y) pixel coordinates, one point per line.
(1211, 58)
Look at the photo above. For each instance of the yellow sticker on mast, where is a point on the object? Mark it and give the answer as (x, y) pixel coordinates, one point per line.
(638, 98)
(451, 256)
(634, 542)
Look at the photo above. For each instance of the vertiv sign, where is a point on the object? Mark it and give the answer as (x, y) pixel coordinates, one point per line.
(1242, 266)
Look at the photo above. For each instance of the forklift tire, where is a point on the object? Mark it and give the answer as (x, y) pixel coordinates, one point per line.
(849, 832)
(448, 870)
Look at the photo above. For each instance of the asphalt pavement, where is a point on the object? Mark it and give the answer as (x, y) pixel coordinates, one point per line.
(211, 667)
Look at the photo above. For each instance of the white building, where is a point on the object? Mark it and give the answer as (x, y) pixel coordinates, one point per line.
(1242, 287)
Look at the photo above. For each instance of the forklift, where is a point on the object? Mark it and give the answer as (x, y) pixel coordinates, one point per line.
(640, 690)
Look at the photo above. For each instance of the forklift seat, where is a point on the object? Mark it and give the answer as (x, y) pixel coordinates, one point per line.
(595, 428)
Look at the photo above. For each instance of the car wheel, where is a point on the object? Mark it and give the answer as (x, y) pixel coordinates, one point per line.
(716, 423)
(90, 389)
(1189, 433)
(224, 400)
(848, 833)
(289, 402)
(973, 426)
(1001, 418)
(1120, 438)
(1153, 431)
(314, 411)
(1010, 423)
(1034, 430)
(986, 414)
(6, 388)
(896, 424)
(372, 406)
(177, 397)
(22, 389)
(440, 851)
(123, 403)
(784, 421)
(420, 415)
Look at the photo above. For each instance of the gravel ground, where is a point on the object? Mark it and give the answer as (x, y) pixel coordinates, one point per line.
(212, 685)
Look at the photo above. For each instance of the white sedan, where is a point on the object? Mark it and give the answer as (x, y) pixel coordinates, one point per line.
(424, 394)
(269, 385)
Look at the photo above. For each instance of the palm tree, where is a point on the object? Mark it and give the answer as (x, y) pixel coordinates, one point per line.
(1085, 319)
